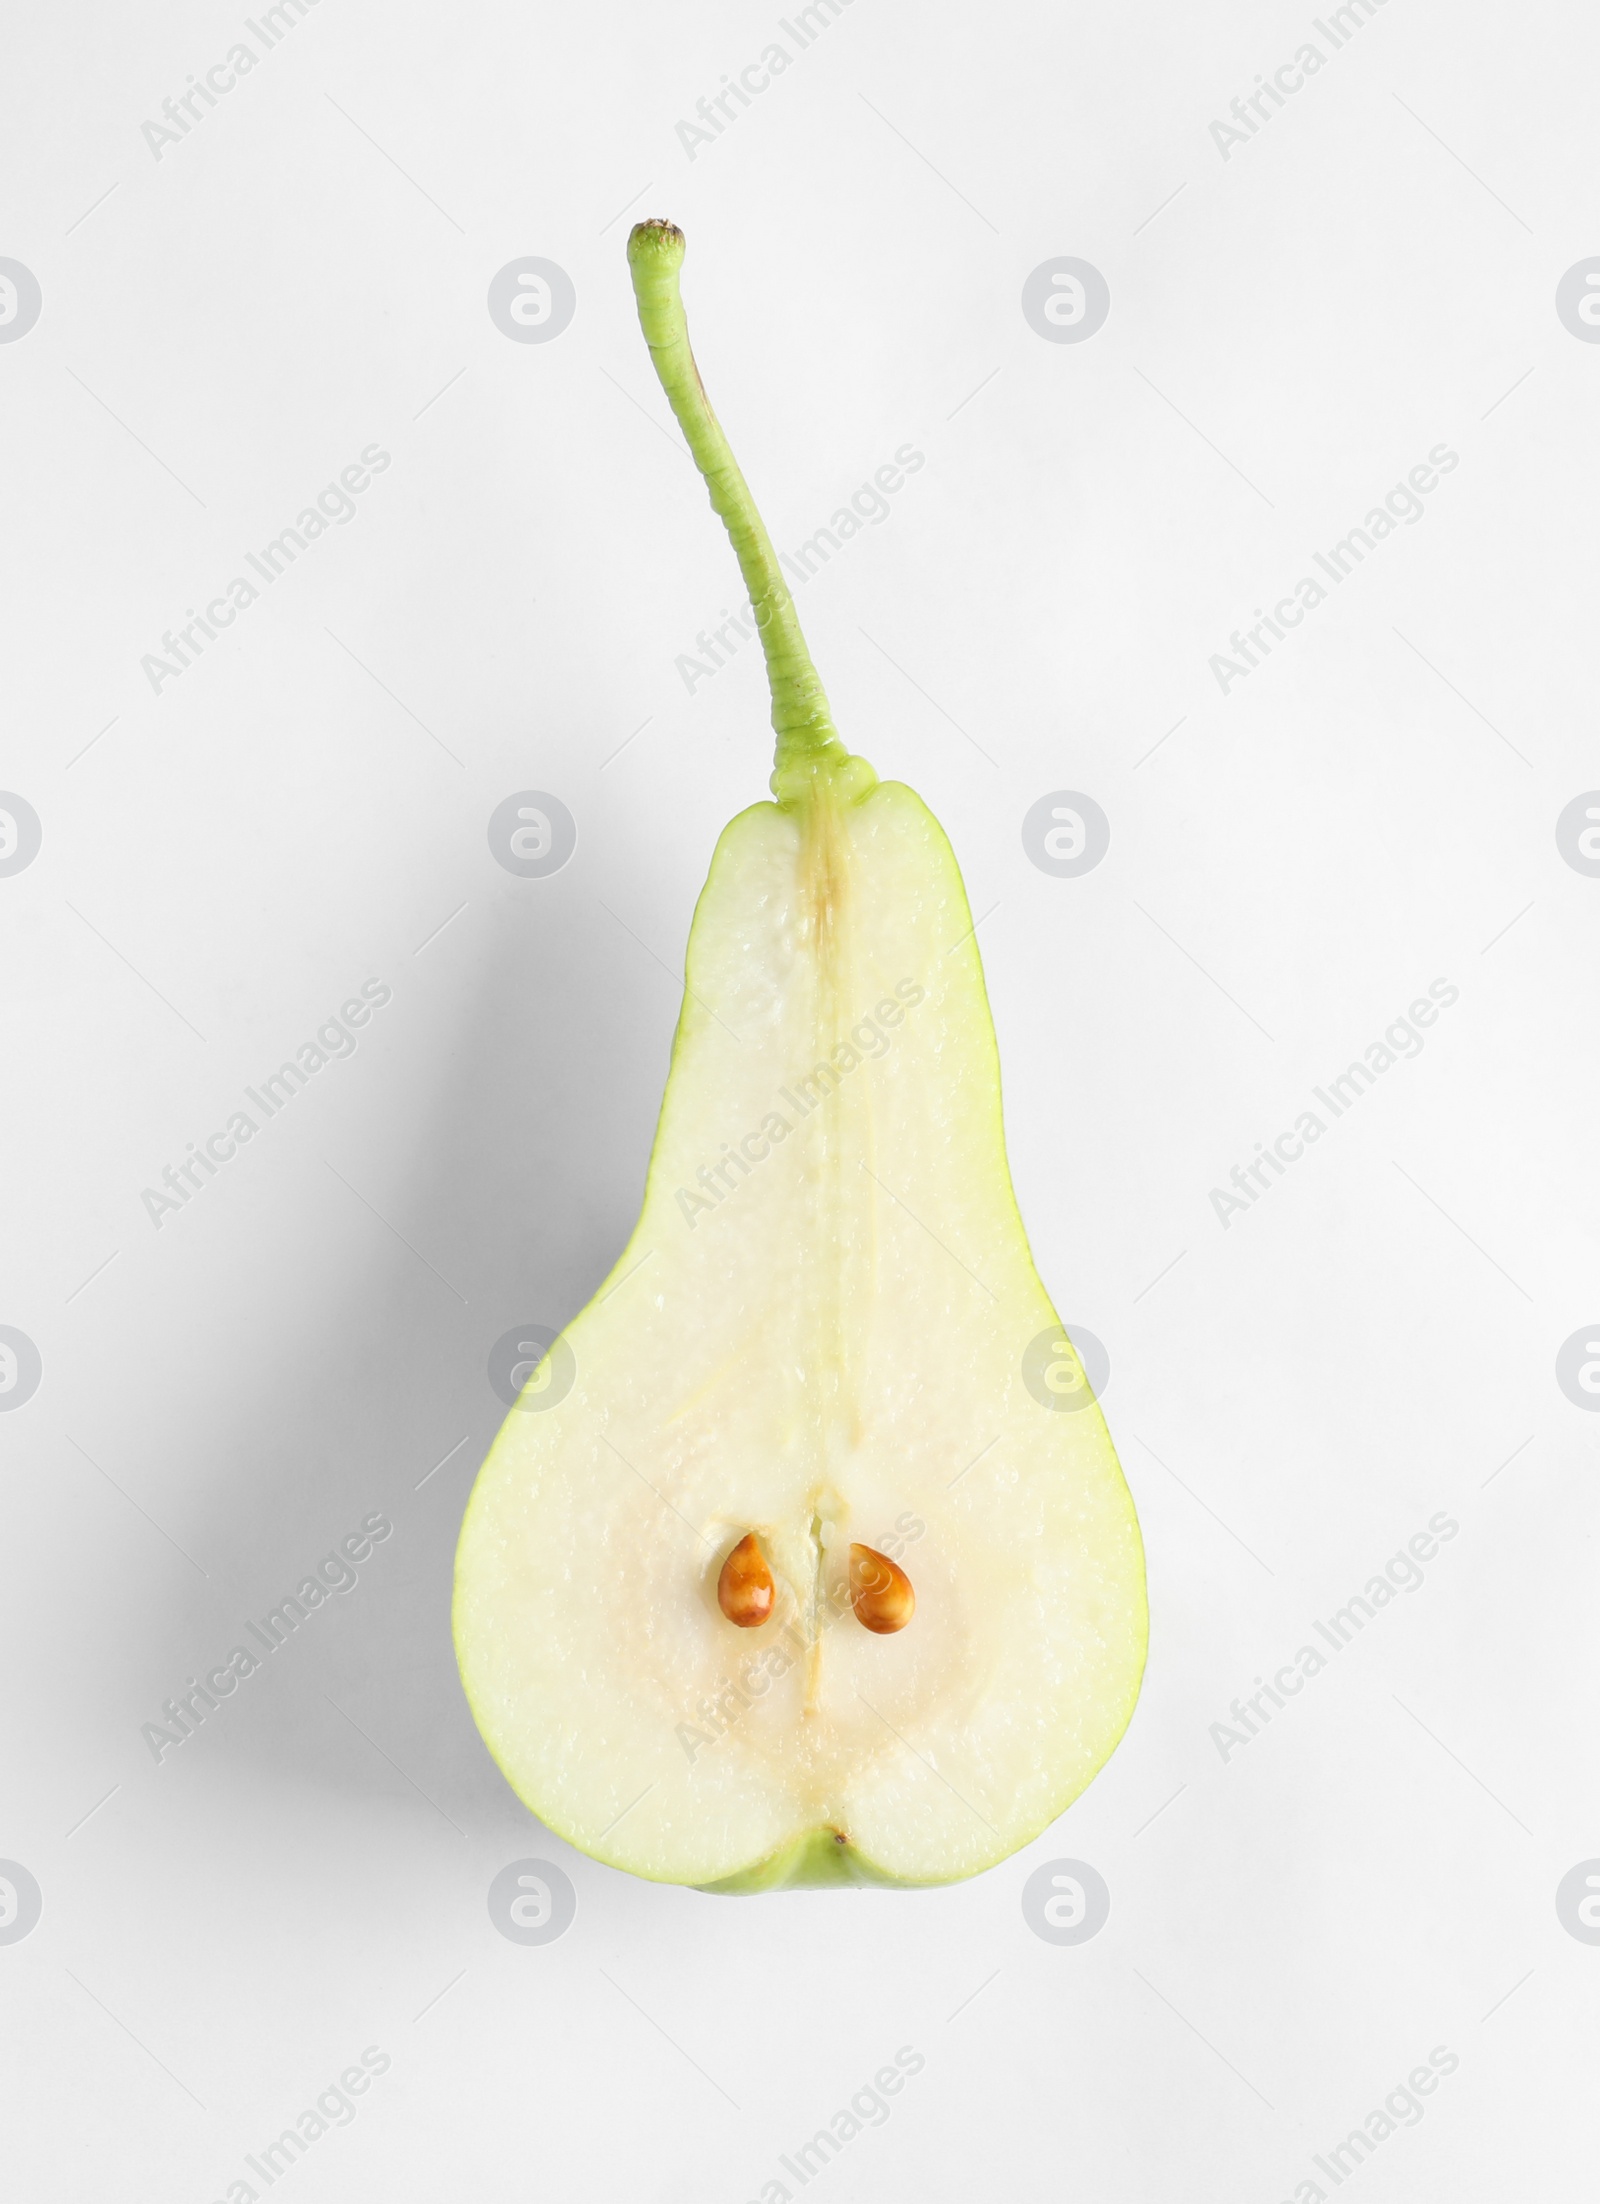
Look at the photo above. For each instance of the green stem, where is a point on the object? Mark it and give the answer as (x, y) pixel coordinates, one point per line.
(800, 716)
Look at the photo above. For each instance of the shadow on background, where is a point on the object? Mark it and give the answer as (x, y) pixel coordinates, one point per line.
(504, 1148)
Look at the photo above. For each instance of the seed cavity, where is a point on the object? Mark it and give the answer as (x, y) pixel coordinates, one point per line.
(880, 1591)
(745, 1591)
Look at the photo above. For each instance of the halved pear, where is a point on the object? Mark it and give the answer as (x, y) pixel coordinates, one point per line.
(826, 1331)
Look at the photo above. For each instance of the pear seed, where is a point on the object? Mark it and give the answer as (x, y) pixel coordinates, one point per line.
(880, 1591)
(745, 1590)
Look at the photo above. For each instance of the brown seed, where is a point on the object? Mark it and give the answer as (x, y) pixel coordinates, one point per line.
(880, 1591)
(745, 1590)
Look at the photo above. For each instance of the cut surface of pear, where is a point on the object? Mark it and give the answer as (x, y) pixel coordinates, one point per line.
(819, 1336)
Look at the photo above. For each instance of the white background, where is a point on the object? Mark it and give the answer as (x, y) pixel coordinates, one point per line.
(1292, 1930)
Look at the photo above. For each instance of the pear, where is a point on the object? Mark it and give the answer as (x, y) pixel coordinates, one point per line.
(818, 1565)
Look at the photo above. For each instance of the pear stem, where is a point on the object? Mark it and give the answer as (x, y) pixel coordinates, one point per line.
(800, 715)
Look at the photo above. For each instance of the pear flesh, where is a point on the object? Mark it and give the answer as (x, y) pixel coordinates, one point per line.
(817, 1333)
